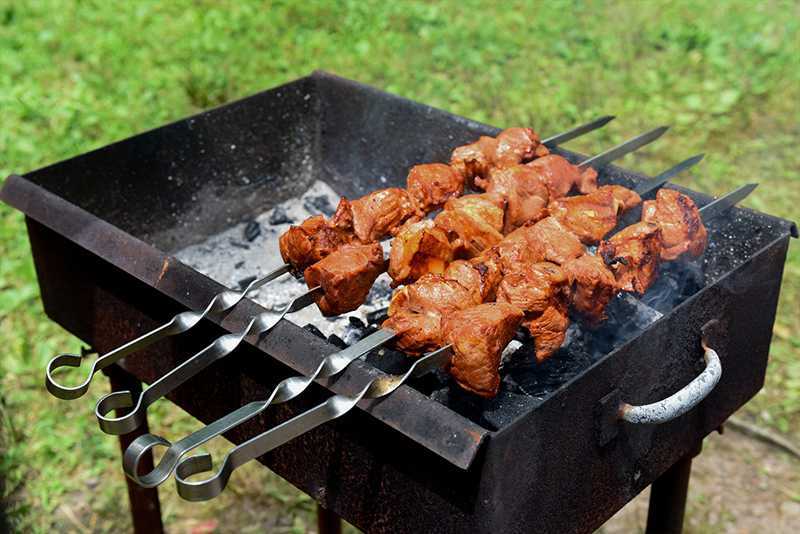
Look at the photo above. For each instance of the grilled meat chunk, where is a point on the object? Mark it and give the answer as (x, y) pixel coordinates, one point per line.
(478, 335)
(480, 275)
(374, 216)
(314, 239)
(592, 286)
(417, 249)
(627, 198)
(541, 291)
(554, 242)
(511, 147)
(472, 223)
(416, 311)
(590, 217)
(633, 255)
(682, 229)
(433, 184)
(525, 193)
(346, 276)
(561, 176)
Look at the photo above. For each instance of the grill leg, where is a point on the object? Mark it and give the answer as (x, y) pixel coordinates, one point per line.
(668, 499)
(145, 508)
(328, 522)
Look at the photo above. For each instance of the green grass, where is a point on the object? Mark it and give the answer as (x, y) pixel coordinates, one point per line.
(77, 75)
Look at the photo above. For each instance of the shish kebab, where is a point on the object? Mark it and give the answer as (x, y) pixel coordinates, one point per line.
(339, 282)
(294, 386)
(499, 319)
(228, 299)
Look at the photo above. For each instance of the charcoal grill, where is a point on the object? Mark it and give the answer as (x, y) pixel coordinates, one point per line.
(550, 454)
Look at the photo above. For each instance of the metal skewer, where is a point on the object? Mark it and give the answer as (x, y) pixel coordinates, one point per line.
(338, 405)
(289, 388)
(220, 303)
(334, 407)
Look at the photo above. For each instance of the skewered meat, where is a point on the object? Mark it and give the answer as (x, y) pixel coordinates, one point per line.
(472, 223)
(591, 216)
(561, 176)
(417, 249)
(682, 228)
(346, 276)
(553, 242)
(314, 239)
(479, 335)
(541, 291)
(627, 198)
(633, 255)
(516, 249)
(525, 193)
(433, 184)
(375, 215)
(511, 147)
(416, 311)
(480, 275)
(592, 287)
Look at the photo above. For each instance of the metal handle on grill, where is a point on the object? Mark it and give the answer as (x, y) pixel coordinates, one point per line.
(221, 347)
(680, 402)
(334, 407)
(285, 391)
(180, 323)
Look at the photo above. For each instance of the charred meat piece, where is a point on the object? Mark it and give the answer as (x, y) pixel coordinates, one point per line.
(590, 217)
(541, 291)
(682, 229)
(433, 184)
(511, 147)
(416, 311)
(374, 216)
(472, 223)
(346, 276)
(417, 249)
(561, 176)
(525, 192)
(314, 239)
(592, 286)
(627, 198)
(479, 335)
(480, 275)
(633, 255)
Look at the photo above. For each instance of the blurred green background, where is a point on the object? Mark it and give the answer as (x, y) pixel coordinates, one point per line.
(76, 75)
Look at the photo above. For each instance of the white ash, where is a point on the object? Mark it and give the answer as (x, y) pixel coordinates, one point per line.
(230, 259)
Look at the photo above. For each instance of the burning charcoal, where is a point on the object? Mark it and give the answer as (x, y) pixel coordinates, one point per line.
(252, 230)
(314, 330)
(378, 316)
(244, 281)
(355, 331)
(279, 216)
(380, 290)
(319, 204)
(238, 265)
(239, 244)
(333, 339)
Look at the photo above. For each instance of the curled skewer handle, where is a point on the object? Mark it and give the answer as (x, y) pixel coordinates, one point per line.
(332, 408)
(180, 323)
(285, 391)
(220, 348)
(681, 401)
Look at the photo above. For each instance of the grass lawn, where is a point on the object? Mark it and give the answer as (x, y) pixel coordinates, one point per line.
(76, 75)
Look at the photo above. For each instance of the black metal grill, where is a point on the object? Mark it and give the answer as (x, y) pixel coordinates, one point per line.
(547, 455)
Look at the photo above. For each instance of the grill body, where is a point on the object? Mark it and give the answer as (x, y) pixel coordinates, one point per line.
(102, 226)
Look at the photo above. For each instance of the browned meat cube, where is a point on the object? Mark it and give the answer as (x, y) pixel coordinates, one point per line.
(553, 242)
(627, 198)
(480, 275)
(633, 255)
(525, 193)
(346, 276)
(541, 291)
(474, 160)
(472, 223)
(376, 215)
(479, 335)
(592, 287)
(416, 311)
(315, 238)
(590, 217)
(682, 228)
(517, 145)
(417, 249)
(561, 176)
(433, 184)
